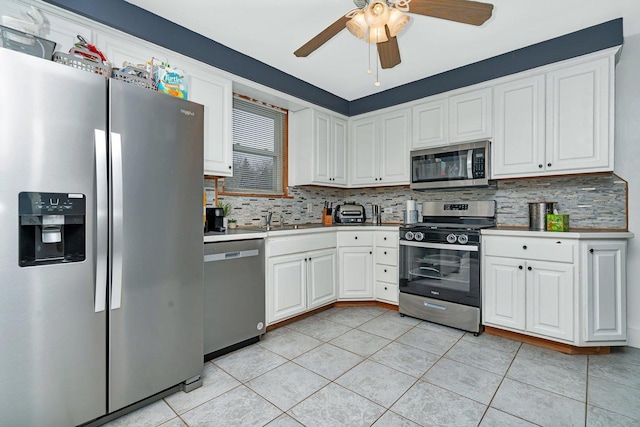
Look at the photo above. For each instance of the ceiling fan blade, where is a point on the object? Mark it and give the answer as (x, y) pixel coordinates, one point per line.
(388, 51)
(465, 11)
(323, 37)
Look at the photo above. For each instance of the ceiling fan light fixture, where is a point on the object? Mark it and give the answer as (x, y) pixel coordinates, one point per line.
(397, 22)
(377, 14)
(377, 35)
(357, 25)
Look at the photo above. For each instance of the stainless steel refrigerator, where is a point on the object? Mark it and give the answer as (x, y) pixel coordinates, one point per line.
(100, 243)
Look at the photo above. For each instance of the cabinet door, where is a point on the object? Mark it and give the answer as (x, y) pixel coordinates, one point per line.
(395, 137)
(322, 148)
(217, 97)
(287, 284)
(321, 275)
(339, 132)
(470, 116)
(430, 124)
(550, 299)
(504, 293)
(579, 118)
(356, 272)
(519, 140)
(363, 140)
(606, 314)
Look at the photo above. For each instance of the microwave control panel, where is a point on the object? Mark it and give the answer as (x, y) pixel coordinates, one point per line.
(479, 162)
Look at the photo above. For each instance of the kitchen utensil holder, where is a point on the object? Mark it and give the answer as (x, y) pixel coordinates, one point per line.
(327, 218)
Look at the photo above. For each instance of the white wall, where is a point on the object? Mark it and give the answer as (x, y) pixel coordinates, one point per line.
(627, 146)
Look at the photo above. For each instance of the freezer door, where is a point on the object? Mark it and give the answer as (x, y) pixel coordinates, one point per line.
(156, 319)
(52, 340)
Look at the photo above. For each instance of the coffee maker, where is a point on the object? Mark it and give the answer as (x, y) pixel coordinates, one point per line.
(215, 220)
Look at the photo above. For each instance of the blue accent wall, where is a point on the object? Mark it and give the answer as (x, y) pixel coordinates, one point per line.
(147, 26)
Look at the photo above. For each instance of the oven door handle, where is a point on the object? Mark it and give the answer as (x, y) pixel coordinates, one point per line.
(439, 246)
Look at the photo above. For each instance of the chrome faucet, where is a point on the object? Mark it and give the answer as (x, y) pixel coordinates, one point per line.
(267, 220)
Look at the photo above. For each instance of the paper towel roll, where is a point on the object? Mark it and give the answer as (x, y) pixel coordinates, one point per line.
(411, 205)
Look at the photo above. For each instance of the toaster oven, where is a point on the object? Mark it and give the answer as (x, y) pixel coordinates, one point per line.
(350, 213)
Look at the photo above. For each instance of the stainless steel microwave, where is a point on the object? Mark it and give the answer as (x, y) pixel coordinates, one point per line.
(461, 165)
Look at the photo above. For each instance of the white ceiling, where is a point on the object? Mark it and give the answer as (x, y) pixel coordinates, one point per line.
(270, 31)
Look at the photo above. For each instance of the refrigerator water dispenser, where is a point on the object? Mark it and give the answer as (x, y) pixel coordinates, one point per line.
(51, 228)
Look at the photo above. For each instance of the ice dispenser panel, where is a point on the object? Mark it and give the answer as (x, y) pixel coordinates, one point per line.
(51, 228)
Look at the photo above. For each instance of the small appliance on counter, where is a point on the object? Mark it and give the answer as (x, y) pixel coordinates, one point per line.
(215, 220)
(350, 213)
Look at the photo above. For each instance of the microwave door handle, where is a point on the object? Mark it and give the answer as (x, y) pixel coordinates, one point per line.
(470, 164)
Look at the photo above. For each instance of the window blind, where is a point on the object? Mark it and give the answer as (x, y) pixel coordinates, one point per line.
(258, 144)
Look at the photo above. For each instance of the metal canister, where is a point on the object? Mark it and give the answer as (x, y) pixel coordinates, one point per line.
(538, 214)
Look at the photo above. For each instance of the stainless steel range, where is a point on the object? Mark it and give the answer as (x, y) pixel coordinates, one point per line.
(440, 263)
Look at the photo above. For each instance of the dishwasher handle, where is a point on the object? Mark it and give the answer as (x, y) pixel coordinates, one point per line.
(224, 256)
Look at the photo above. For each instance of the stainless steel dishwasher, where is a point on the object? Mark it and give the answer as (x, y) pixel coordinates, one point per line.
(234, 295)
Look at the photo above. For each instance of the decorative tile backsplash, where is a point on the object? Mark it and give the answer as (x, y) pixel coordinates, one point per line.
(592, 201)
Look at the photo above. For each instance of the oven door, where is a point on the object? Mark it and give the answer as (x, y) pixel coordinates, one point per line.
(441, 271)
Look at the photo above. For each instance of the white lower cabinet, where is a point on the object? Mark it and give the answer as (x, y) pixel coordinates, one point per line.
(300, 281)
(355, 266)
(568, 290)
(386, 270)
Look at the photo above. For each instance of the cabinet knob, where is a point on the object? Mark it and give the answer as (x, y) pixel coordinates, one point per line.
(540, 165)
(385, 288)
(229, 167)
(529, 268)
(375, 179)
(591, 250)
(524, 247)
(385, 252)
(356, 237)
(370, 252)
(549, 164)
(380, 178)
(385, 270)
(385, 239)
(520, 267)
(305, 260)
(309, 258)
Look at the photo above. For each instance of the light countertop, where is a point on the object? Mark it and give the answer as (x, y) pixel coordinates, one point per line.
(244, 233)
(572, 234)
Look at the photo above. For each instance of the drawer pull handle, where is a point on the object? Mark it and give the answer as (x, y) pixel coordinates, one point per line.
(529, 268)
(524, 247)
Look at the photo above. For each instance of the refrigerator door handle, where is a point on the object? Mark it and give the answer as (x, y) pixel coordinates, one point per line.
(102, 218)
(117, 236)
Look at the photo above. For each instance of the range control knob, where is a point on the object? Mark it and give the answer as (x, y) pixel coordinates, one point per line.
(419, 236)
(451, 238)
(409, 235)
(463, 239)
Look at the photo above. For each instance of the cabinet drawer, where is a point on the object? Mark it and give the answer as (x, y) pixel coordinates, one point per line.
(387, 239)
(539, 249)
(387, 292)
(295, 244)
(387, 256)
(355, 238)
(386, 273)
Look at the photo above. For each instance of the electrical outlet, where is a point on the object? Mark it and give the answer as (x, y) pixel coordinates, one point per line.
(387, 210)
(309, 207)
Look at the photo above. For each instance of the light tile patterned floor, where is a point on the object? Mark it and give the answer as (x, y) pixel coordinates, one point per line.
(362, 366)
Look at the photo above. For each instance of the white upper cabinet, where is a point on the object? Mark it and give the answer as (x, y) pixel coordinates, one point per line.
(470, 116)
(460, 117)
(558, 122)
(430, 124)
(323, 135)
(380, 149)
(579, 108)
(519, 141)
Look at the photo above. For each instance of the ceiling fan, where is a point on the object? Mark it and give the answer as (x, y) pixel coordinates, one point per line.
(379, 21)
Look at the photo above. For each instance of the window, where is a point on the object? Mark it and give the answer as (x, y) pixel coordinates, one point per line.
(259, 149)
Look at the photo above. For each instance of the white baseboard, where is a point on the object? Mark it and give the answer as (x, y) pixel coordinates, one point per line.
(633, 337)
